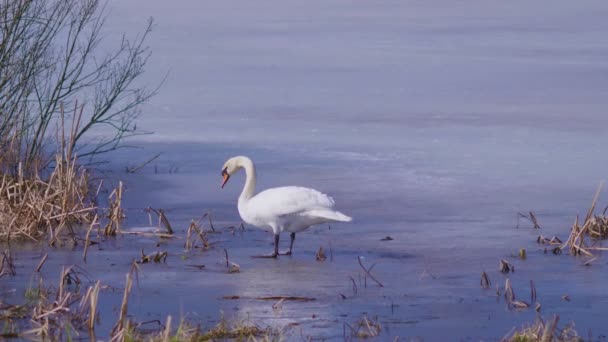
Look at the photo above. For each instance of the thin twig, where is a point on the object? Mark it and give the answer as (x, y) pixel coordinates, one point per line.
(41, 263)
(368, 272)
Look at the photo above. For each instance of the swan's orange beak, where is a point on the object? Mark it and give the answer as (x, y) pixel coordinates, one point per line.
(226, 177)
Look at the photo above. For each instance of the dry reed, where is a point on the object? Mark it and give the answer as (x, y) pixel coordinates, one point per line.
(186, 330)
(57, 312)
(162, 219)
(485, 280)
(368, 271)
(115, 212)
(365, 328)
(33, 205)
(195, 232)
(320, 255)
(530, 217)
(583, 237)
(121, 328)
(543, 331)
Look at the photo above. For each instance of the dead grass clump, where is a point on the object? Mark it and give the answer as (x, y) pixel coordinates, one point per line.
(189, 331)
(32, 207)
(544, 331)
(593, 228)
(365, 328)
(240, 331)
(32, 204)
(57, 313)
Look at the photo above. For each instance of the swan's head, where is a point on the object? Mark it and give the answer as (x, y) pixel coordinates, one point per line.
(231, 166)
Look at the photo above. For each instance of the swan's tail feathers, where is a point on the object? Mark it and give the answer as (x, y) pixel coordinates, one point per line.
(341, 217)
(330, 215)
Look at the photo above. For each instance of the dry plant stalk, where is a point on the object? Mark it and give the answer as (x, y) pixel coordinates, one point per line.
(530, 217)
(509, 294)
(552, 241)
(320, 255)
(485, 280)
(231, 266)
(87, 240)
(519, 304)
(208, 216)
(162, 219)
(167, 332)
(7, 267)
(510, 297)
(122, 325)
(193, 233)
(532, 292)
(115, 214)
(88, 306)
(155, 257)
(505, 266)
(593, 228)
(41, 263)
(355, 289)
(368, 271)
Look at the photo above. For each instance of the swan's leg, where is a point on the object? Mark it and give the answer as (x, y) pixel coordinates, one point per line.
(293, 237)
(276, 245)
(276, 249)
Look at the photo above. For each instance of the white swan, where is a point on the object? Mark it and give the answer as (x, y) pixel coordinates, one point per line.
(289, 208)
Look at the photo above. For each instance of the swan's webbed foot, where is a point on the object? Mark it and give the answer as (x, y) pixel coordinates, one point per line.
(273, 254)
(288, 252)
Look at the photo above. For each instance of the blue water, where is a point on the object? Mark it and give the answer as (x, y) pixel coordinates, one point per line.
(430, 122)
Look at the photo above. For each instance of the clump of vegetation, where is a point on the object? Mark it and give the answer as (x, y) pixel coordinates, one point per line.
(50, 55)
(593, 228)
(239, 331)
(192, 332)
(544, 331)
(365, 328)
(54, 313)
(31, 206)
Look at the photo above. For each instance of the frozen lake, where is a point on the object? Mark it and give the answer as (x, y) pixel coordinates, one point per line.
(430, 122)
(455, 100)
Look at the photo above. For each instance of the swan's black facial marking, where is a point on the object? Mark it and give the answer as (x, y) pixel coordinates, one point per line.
(225, 176)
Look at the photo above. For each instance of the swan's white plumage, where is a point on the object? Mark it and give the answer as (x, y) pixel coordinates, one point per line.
(290, 208)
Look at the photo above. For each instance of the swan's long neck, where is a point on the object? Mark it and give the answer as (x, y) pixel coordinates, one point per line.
(250, 179)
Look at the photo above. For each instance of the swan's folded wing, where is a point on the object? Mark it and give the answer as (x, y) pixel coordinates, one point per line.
(289, 200)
